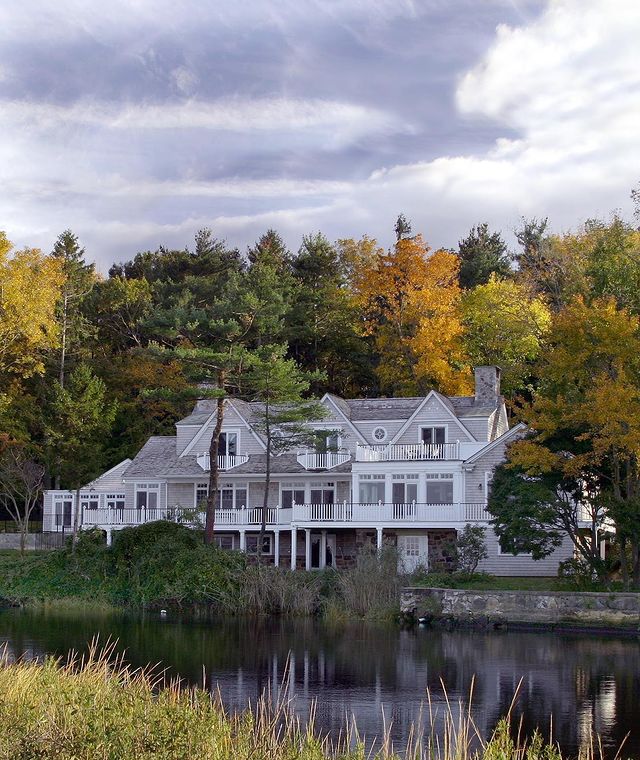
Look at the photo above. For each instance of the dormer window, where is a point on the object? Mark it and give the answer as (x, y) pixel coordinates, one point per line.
(429, 435)
(228, 444)
(327, 441)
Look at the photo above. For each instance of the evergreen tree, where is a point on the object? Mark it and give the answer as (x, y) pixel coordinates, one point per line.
(482, 253)
(79, 280)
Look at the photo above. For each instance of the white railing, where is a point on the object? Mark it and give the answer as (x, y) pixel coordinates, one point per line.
(372, 514)
(345, 512)
(400, 452)
(105, 518)
(225, 462)
(311, 460)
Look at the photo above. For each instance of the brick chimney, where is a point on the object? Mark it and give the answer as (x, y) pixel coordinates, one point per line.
(487, 385)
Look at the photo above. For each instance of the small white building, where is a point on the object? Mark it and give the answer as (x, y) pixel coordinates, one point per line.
(413, 471)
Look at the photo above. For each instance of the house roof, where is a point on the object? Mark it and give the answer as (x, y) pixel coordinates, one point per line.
(158, 459)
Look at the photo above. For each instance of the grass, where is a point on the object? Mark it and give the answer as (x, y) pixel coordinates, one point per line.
(485, 582)
(94, 708)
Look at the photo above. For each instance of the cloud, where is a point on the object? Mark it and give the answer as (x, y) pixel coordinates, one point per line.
(352, 112)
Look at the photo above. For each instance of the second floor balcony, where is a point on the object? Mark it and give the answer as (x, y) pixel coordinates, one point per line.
(313, 460)
(402, 452)
(225, 462)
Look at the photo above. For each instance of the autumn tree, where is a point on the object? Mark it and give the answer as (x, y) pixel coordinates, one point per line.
(409, 302)
(482, 254)
(504, 325)
(589, 396)
(30, 288)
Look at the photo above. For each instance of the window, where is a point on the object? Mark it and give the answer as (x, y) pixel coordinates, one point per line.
(252, 544)
(230, 495)
(439, 488)
(379, 434)
(512, 548)
(115, 500)
(404, 489)
(147, 495)
(292, 493)
(223, 542)
(429, 435)
(371, 489)
(327, 441)
(228, 444)
(63, 510)
(89, 501)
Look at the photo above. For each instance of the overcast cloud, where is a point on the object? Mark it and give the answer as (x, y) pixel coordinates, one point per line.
(135, 123)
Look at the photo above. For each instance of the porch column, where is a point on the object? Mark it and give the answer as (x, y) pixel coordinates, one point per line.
(379, 538)
(323, 549)
(243, 540)
(109, 537)
(276, 548)
(307, 548)
(294, 546)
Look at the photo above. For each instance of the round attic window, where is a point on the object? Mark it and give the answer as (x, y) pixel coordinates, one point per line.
(379, 434)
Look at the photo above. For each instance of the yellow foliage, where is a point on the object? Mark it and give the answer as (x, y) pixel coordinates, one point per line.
(410, 303)
(30, 287)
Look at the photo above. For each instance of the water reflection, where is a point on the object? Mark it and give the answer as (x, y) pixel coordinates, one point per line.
(573, 683)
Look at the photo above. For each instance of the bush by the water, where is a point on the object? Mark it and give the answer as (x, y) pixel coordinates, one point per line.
(86, 710)
(166, 564)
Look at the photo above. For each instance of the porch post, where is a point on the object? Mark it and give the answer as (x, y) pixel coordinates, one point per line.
(323, 549)
(294, 546)
(109, 537)
(276, 548)
(243, 540)
(307, 548)
(379, 538)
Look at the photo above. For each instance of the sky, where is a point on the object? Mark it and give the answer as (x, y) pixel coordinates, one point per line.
(137, 122)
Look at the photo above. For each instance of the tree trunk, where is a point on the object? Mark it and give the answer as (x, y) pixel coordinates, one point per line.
(635, 558)
(214, 475)
(76, 522)
(265, 501)
(623, 563)
(24, 527)
(63, 338)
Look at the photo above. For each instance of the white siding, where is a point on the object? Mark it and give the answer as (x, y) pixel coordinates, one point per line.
(478, 426)
(435, 413)
(522, 565)
(184, 435)
(391, 426)
(181, 494)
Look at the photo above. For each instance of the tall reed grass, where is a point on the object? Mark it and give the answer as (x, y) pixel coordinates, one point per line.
(96, 707)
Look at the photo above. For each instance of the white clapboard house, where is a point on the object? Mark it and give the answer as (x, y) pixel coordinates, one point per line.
(411, 471)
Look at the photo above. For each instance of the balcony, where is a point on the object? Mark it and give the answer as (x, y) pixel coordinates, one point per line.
(120, 518)
(311, 460)
(225, 462)
(403, 452)
(344, 514)
(389, 514)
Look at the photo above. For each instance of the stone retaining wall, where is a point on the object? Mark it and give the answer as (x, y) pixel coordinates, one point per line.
(12, 541)
(600, 609)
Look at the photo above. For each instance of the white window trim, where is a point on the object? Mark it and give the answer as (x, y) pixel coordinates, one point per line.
(236, 431)
(422, 427)
(267, 537)
(384, 430)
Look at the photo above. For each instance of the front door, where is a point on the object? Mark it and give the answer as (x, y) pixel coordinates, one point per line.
(412, 551)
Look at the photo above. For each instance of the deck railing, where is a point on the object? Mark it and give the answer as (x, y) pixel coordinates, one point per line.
(345, 513)
(225, 462)
(311, 460)
(402, 452)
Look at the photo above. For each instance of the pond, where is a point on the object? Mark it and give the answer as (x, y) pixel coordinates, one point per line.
(377, 675)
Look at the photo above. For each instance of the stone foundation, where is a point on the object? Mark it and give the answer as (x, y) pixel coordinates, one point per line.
(442, 549)
(577, 609)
